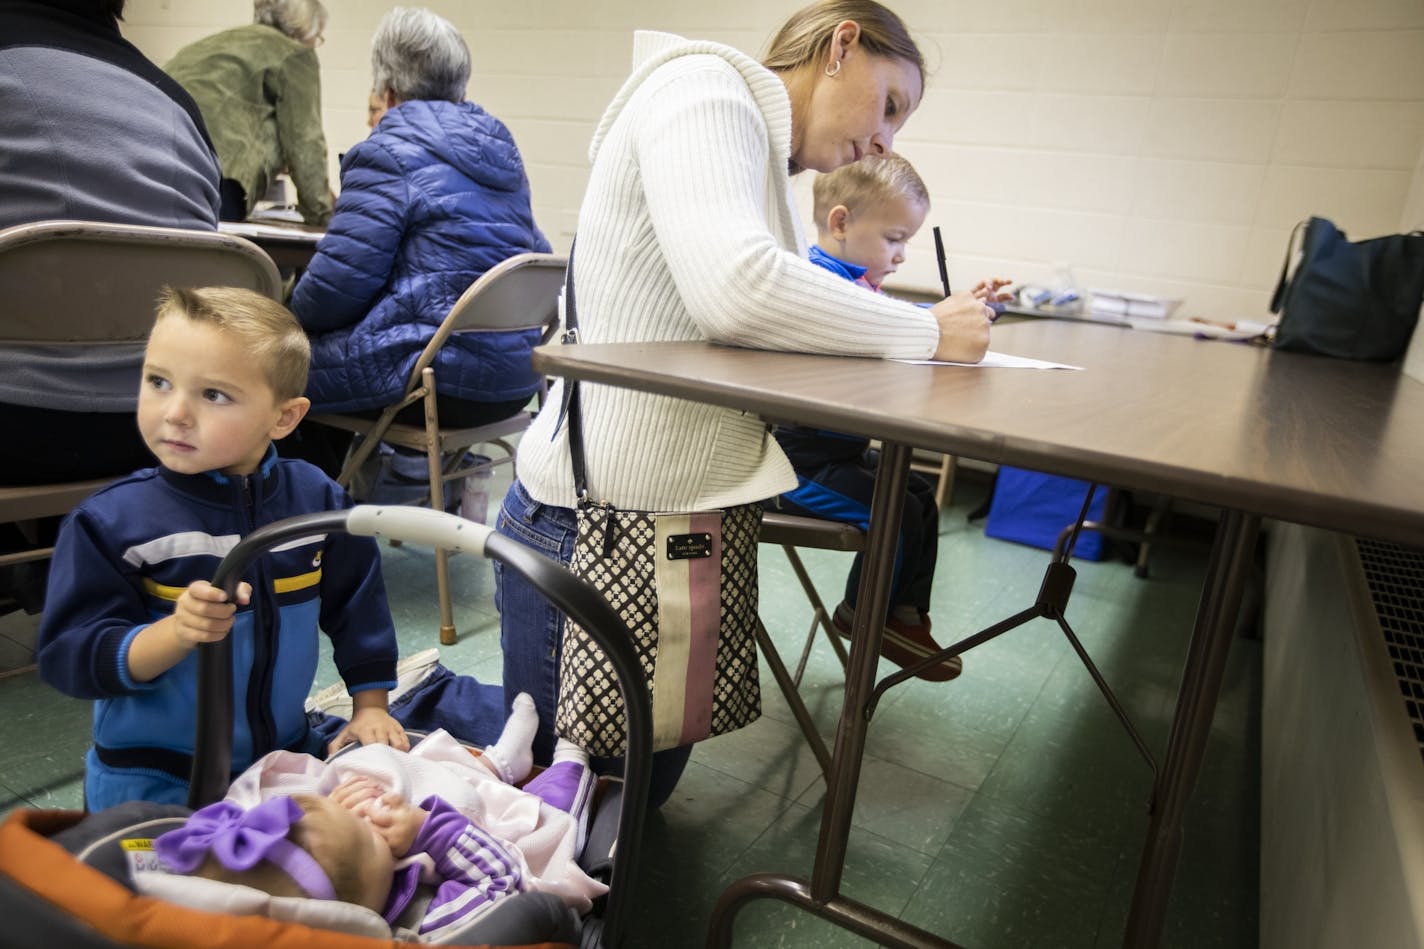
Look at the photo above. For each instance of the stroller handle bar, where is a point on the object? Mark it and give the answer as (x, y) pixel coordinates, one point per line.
(212, 750)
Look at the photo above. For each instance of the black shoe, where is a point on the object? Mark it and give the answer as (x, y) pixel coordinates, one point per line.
(22, 586)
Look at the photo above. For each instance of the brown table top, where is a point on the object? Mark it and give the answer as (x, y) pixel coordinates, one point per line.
(1319, 441)
(290, 245)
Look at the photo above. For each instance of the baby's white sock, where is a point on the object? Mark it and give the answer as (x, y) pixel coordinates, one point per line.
(565, 750)
(511, 756)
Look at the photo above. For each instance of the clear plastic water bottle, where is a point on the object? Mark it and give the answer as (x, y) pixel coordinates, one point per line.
(1066, 295)
(474, 498)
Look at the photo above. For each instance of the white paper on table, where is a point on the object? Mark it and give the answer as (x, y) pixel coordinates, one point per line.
(258, 229)
(993, 360)
(1240, 330)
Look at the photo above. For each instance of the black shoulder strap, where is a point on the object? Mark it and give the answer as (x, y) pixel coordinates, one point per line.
(1278, 299)
(570, 406)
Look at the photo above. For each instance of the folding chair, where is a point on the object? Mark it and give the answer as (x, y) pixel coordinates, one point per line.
(942, 467)
(520, 293)
(791, 531)
(80, 283)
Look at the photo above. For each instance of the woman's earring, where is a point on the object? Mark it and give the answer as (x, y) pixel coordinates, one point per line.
(834, 69)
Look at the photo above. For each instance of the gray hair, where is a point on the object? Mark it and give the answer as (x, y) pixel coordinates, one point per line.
(416, 54)
(302, 20)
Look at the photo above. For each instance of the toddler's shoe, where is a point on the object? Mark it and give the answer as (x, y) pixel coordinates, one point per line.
(410, 672)
(333, 700)
(413, 670)
(905, 644)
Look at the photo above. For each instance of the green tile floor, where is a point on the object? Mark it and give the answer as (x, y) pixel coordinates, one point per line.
(1006, 809)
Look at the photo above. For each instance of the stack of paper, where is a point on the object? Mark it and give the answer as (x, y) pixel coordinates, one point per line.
(286, 232)
(276, 213)
(1242, 330)
(1122, 303)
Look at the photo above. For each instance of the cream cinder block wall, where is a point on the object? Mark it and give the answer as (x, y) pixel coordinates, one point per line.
(1166, 146)
(1413, 219)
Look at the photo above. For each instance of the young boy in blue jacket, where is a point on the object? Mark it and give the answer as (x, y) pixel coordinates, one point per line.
(129, 602)
(866, 212)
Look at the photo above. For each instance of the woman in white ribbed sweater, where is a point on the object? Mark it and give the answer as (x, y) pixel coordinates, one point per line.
(689, 231)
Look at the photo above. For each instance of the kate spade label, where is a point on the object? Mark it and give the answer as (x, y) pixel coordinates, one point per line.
(689, 546)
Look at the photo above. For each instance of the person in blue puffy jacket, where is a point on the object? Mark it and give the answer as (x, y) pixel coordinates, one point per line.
(433, 198)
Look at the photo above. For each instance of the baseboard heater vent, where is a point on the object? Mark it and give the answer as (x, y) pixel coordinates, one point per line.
(1395, 576)
(1342, 743)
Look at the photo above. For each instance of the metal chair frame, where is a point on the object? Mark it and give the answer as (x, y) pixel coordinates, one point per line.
(520, 293)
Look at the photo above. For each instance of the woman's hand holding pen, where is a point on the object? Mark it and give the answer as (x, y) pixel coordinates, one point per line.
(963, 327)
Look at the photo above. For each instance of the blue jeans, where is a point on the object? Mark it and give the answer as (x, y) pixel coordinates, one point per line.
(532, 632)
(461, 704)
(464, 706)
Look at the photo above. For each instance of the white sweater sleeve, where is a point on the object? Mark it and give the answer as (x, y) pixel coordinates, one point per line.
(701, 150)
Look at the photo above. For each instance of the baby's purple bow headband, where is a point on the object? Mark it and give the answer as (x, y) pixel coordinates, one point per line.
(239, 840)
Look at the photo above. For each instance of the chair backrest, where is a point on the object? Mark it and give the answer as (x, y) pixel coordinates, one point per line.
(91, 283)
(519, 293)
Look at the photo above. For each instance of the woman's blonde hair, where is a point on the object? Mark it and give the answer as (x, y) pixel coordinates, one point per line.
(302, 20)
(270, 332)
(806, 36)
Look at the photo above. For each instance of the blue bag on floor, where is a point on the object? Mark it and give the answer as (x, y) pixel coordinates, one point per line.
(1033, 508)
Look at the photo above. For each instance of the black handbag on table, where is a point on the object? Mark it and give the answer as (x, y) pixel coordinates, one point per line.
(1352, 300)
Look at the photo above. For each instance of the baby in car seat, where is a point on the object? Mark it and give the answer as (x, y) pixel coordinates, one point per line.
(347, 829)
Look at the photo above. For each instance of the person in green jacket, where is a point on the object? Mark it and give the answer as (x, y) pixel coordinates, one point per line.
(259, 89)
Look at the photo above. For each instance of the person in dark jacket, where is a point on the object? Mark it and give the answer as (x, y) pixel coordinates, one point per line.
(92, 131)
(433, 198)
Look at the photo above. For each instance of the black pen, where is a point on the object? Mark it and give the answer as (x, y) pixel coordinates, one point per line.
(943, 269)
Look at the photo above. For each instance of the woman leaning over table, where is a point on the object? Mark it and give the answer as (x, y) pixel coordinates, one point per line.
(259, 87)
(688, 231)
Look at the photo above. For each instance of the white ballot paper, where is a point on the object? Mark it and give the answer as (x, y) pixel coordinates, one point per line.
(993, 360)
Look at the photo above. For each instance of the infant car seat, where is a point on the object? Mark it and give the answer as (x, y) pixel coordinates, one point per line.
(66, 878)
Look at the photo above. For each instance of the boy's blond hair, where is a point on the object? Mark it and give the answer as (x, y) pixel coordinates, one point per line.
(872, 180)
(272, 334)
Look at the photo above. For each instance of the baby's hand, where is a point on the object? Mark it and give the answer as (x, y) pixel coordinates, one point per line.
(394, 819)
(356, 794)
(991, 290)
(203, 613)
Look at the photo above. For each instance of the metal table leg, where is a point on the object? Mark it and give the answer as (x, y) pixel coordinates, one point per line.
(886, 506)
(821, 896)
(884, 929)
(1227, 573)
